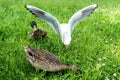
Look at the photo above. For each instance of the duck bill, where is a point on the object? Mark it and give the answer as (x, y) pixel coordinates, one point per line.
(35, 28)
(27, 48)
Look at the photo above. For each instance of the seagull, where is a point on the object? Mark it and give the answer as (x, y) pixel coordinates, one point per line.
(64, 30)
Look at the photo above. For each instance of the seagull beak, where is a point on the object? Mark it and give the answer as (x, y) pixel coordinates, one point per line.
(66, 46)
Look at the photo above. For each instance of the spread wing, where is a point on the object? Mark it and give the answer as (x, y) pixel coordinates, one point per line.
(51, 20)
(81, 15)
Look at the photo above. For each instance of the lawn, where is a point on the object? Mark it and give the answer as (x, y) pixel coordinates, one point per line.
(95, 45)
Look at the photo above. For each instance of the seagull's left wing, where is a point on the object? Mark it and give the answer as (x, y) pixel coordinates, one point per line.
(45, 16)
(81, 15)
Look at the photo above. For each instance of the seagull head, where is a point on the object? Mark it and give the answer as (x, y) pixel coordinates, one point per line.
(66, 39)
(65, 34)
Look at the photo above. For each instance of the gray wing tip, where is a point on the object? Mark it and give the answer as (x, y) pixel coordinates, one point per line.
(25, 5)
(34, 10)
(93, 6)
(96, 5)
(90, 8)
(28, 8)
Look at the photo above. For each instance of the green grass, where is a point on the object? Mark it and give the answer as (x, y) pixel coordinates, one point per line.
(95, 45)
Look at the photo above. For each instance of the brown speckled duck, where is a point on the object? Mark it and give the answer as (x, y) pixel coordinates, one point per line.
(47, 61)
(37, 33)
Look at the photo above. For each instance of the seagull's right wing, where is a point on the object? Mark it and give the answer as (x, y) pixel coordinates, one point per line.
(51, 20)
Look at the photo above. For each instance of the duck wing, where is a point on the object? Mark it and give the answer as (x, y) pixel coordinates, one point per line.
(48, 57)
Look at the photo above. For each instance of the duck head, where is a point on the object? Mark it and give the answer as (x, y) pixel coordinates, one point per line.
(34, 25)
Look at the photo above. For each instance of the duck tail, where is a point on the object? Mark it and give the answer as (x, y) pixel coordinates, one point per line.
(74, 68)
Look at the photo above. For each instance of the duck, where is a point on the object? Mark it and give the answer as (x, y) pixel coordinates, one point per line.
(46, 61)
(63, 30)
(37, 33)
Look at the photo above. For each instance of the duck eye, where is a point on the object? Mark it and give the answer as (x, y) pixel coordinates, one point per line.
(30, 54)
(33, 23)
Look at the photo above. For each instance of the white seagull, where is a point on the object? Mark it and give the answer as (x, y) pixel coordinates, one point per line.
(65, 29)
